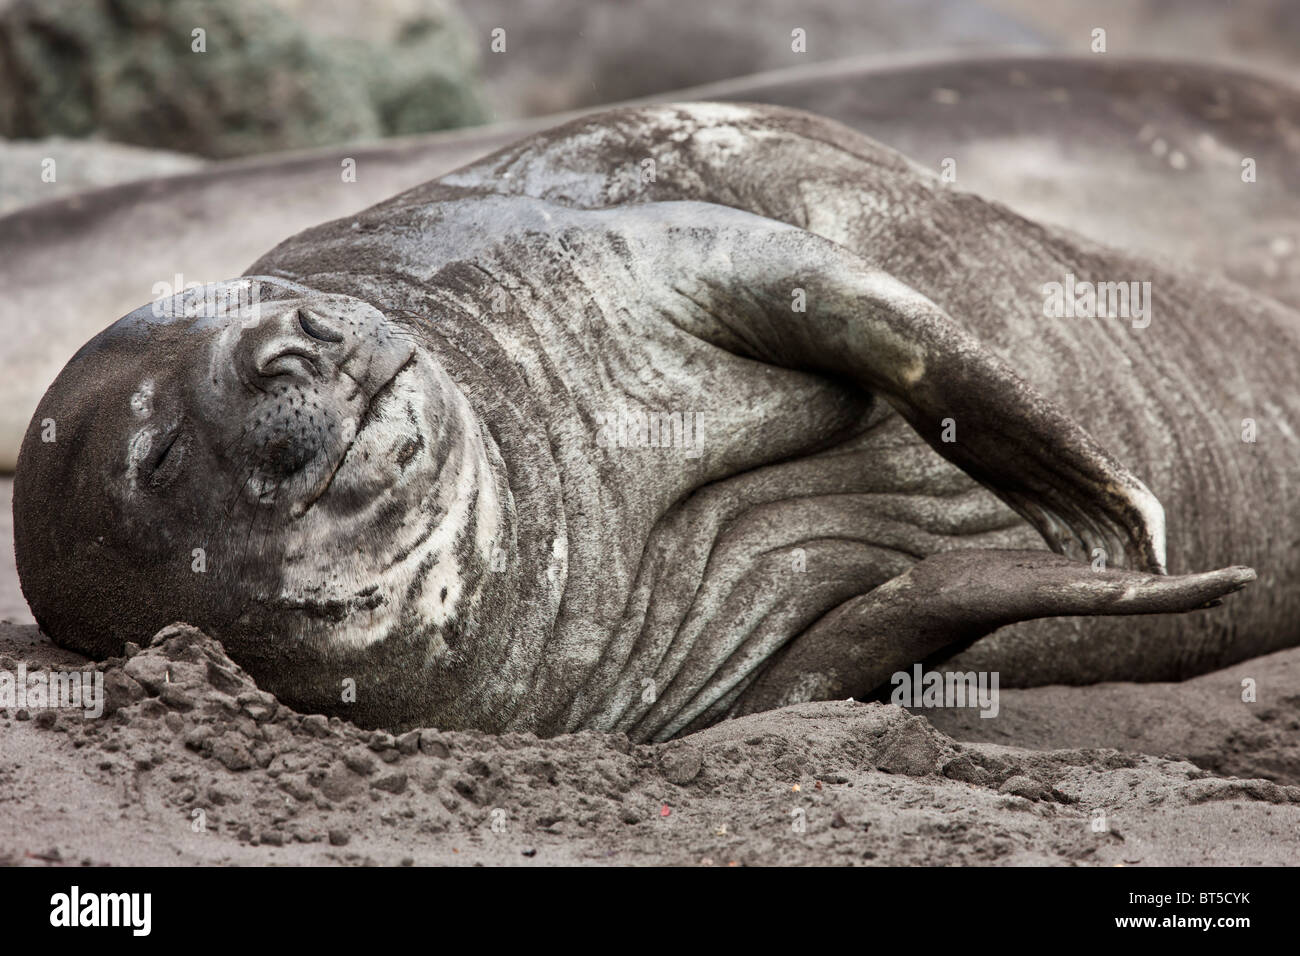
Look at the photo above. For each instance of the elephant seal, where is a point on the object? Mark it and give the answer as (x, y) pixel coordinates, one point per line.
(568, 439)
(1140, 153)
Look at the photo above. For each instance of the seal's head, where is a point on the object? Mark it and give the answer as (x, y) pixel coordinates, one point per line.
(287, 469)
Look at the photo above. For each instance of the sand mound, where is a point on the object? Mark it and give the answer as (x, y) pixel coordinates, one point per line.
(192, 763)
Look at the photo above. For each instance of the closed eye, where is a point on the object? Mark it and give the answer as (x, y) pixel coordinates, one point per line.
(168, 444)
(162, 467)
(312, 326)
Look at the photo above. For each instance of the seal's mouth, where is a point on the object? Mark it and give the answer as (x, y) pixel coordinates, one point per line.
(368, 416)
(376, 401)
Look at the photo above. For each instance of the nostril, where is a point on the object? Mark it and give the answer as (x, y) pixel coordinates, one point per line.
(299, 343)
(315, 327)
(286, 359)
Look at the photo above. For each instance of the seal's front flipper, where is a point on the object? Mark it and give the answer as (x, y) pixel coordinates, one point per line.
(953, 598)
(787, 297)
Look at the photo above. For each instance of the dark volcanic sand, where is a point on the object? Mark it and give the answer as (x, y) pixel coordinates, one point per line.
(837, 782)
(875, 783)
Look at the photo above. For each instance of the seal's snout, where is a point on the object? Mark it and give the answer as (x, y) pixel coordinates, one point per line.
(294, 380)
(313, 343)
(283, 346)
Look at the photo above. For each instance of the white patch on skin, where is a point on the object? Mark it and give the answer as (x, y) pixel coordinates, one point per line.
(557, 569)
(446, 570)
(534, 172)
(465, 483)
(137, 450)
(710, 113)
(1153, 513)
(140, 444)
(488, 515)
(474, 488)
(142, 400)
(704, 123)
(724, 139)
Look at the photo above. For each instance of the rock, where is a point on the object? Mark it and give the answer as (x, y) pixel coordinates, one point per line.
(360, 763)
(391, 783)
(297, 788)
(197, 737)
(316, 725)
(1022, 786)
(149, 671)
(263, 755)
(340, 784)
(681, 764)
(77, 166)
(265, 75)
(120, 690)
(258, 704)
(966, 770)
(225, 677)
(912, 750)
(175, 695)
(339, 837)
(233, 752)
(416, 58)
(431, 743)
